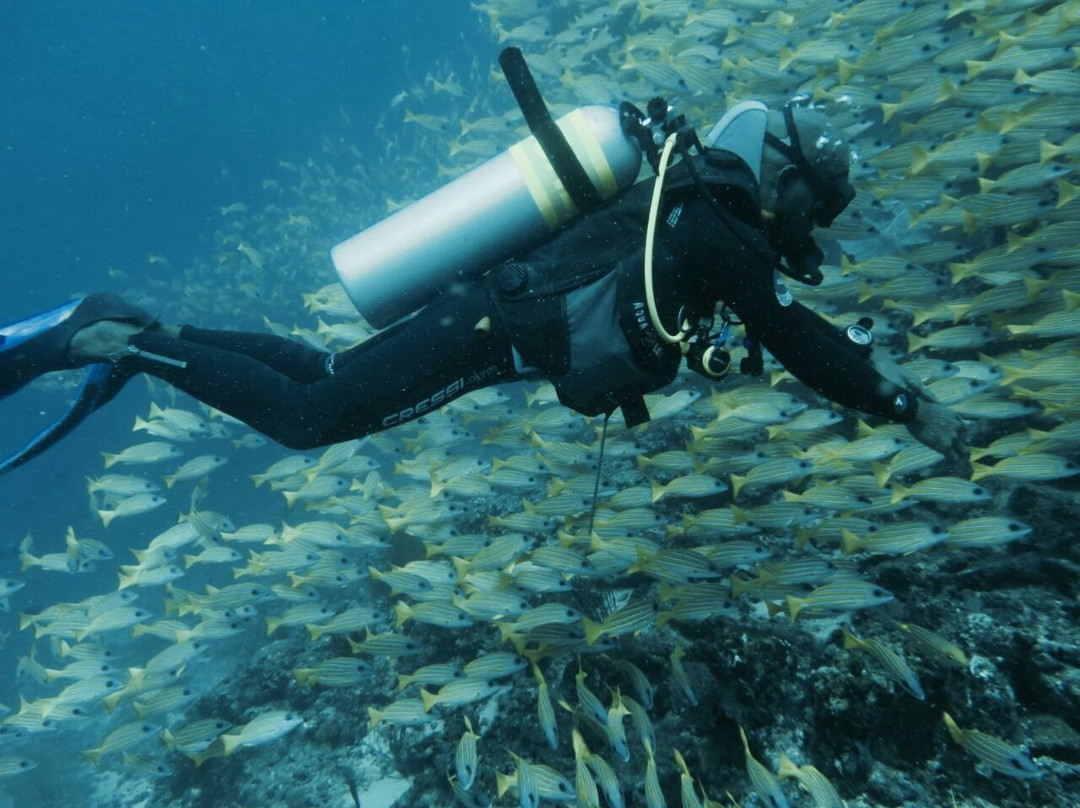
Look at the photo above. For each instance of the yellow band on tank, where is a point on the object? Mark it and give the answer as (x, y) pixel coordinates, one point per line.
(534, 184)
(547, 192)
(589, 152)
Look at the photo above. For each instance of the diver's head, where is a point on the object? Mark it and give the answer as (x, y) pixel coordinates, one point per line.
(804, 169)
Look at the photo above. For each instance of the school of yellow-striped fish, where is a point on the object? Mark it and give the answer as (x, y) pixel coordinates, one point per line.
(790, 604)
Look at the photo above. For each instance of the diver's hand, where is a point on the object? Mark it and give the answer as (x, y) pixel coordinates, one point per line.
(935, 425)
(938, 427)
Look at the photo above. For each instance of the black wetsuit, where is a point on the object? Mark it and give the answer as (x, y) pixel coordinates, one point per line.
(573, 309)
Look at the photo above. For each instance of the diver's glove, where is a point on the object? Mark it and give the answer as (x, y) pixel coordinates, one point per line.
(938, 427)
(934, 424)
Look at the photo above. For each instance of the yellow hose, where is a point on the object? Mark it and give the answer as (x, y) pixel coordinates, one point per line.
(650, 234)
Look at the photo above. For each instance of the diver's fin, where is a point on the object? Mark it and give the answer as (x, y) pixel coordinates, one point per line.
(102, 382)
(14, 337)
(39, 344)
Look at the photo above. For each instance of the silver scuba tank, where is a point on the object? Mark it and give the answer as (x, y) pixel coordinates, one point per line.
(502, 208)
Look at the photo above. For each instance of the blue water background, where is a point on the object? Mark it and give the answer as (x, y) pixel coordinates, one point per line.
(124, 127)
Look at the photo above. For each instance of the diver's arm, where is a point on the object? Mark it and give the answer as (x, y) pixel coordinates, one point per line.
(820, 356)
(718, 262)
(814, 351)
(726, 264)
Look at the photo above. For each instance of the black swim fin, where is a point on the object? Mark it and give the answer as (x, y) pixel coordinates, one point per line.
(102, 382)
(14, 373)
(39, 344)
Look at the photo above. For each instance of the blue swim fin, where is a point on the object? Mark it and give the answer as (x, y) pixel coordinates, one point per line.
(102, 382)
(18, 333)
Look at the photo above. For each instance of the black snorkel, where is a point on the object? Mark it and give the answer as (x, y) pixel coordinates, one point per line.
(547, 133)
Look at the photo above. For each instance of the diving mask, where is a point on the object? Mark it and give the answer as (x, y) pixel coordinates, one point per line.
(827, 176)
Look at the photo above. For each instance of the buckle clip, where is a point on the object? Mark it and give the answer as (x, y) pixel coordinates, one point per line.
(130, 350)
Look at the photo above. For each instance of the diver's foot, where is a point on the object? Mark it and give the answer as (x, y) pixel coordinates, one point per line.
(101, 340)
(43, 343)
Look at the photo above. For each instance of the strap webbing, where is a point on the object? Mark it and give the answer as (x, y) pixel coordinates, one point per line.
(548, 135)
(599, 465)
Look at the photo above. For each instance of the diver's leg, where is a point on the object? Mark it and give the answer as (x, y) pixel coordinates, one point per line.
(299, 362)
(413, 368)
(449, 349)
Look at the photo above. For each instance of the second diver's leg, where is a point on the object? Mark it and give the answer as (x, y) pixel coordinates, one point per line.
(411, 369)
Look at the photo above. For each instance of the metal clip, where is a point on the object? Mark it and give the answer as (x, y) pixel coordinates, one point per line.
(131, 350)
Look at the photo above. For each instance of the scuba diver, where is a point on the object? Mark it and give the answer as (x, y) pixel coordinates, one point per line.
(606, 310)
